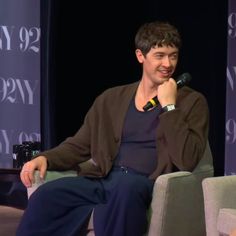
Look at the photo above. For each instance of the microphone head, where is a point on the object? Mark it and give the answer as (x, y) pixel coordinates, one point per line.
(183, 79)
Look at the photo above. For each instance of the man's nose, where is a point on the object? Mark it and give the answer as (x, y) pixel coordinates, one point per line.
(166, 61)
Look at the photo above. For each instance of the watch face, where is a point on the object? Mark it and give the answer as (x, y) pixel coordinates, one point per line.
(170, 107)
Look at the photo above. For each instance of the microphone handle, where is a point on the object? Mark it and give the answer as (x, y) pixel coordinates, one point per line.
(151, 103)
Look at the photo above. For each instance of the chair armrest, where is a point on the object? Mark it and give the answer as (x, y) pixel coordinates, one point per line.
(219, 192)
(50, 175)
(178, 202)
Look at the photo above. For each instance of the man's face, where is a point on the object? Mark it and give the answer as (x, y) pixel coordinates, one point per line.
(159, 63)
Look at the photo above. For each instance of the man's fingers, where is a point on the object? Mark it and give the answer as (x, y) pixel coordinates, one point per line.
(42, 172)
(27, 177)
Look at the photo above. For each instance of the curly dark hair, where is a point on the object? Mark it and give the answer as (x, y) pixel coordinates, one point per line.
(157, 33)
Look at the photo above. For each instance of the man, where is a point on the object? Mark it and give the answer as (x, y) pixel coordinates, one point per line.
(121, 149)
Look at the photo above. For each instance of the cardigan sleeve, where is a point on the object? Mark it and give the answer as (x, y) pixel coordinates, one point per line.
(73, 150)
(184, 131)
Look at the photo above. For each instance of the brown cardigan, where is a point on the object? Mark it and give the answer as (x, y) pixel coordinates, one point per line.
(181, 134)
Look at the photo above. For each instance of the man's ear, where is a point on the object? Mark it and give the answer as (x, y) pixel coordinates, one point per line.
(139, 55)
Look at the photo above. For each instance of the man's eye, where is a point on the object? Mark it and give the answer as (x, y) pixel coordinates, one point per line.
(159, 56)
(174, 56)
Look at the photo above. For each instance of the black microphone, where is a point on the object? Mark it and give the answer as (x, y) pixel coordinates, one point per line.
(180, 81)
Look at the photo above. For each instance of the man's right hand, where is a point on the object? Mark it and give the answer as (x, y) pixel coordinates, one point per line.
(27, 172)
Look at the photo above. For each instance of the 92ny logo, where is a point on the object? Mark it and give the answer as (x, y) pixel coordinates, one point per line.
(25, 39)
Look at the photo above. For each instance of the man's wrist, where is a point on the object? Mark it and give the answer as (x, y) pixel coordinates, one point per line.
(169, 107)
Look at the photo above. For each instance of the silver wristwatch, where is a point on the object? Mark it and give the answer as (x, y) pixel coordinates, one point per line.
(169, 107)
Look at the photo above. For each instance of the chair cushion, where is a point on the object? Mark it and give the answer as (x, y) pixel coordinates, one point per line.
(226, 221)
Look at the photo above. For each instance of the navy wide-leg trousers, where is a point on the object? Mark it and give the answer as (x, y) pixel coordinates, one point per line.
(63, 207)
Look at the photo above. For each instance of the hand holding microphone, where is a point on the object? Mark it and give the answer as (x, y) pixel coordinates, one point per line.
(167, 92)
(180, 82)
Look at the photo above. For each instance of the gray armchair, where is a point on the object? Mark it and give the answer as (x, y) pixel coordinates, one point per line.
(220, 204)
(177, 207)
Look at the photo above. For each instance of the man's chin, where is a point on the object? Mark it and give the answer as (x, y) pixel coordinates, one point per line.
(163, 79)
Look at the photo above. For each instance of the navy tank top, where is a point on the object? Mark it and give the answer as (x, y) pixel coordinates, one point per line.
(138, 144)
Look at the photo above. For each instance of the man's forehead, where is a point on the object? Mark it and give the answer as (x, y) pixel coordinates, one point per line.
(165, 48)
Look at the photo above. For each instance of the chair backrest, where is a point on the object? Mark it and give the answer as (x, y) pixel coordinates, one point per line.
(206, 162)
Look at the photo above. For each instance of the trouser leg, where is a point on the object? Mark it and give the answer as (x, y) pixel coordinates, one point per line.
(60, 207)
(128, 197)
